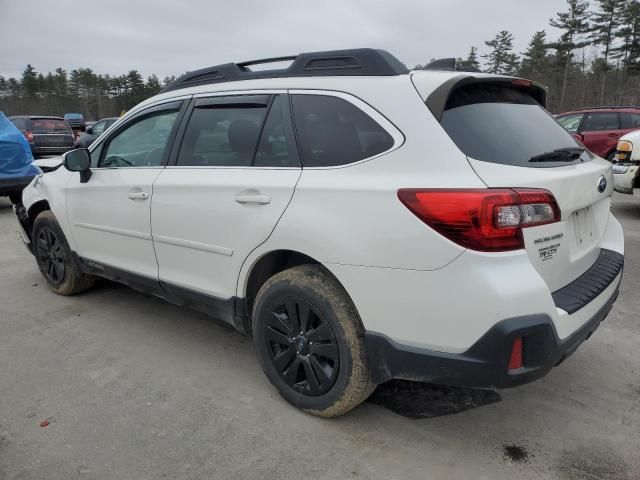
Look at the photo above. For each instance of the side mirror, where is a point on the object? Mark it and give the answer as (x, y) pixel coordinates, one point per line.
(78, 160)
(89, 130)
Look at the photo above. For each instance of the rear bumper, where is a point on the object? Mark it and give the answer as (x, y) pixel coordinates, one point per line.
(485, 364)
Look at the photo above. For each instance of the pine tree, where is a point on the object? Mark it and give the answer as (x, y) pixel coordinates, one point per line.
(471, 63)
(535, 61)
(605, 26)
(29, 81)
(501, 59)
(574, 25)
(629, 36)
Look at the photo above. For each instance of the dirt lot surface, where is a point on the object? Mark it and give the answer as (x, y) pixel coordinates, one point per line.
(135, 388)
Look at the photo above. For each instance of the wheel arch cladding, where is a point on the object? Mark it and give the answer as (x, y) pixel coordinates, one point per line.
(266, 266)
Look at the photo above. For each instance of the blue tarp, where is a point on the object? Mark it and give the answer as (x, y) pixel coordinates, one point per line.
(15, 153)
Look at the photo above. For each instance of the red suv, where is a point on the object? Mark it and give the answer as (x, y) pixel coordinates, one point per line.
(600, 128)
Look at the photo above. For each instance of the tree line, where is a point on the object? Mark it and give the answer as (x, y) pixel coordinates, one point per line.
(594, 61)
(82, 91)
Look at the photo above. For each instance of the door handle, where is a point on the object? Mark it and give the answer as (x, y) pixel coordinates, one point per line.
(257, 198)
(138, 195)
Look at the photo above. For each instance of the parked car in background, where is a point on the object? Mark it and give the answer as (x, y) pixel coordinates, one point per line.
(626, 170)
(94, 131)
(46, 135)
(16, 167)
(75, 121)
(600, 128)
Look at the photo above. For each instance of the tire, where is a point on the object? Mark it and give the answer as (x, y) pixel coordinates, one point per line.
(293, 309)
(54, 258)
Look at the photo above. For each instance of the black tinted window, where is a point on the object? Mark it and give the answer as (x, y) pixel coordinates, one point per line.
(600, 121)
(20, 123)
(222, 135)
(332, 131)
(498, 124)
(630, 120)
(49, 125)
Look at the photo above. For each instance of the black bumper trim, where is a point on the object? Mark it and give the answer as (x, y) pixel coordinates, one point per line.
(484, 365)
(591, 283)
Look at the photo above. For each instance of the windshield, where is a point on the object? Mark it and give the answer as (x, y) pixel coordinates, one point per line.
(500, 124)
(73, 116)
(49, 125)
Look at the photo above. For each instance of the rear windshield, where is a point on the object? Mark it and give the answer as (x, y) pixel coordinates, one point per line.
(505, 125)
(73, 116)
(49, 125)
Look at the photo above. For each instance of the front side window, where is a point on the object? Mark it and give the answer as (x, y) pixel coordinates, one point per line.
(571, 123)
(600, 121)
(332, 131)
(142, 143)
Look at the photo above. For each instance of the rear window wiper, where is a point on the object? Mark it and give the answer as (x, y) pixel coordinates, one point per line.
(559, 155)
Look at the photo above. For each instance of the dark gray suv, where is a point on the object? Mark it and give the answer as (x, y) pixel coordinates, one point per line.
(46, 135)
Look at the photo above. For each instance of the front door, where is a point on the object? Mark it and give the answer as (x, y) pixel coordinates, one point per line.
(110, 215)
(229, 184)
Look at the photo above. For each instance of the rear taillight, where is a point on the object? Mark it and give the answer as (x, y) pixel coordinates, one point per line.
(28, 135)
(488, 220)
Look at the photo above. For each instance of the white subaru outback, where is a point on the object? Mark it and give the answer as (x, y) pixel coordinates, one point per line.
(363, 222)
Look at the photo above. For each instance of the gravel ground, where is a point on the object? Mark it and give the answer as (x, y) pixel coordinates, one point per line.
(135, 388)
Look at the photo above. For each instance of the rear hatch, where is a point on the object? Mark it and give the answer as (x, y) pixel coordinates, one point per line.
(51, 132)
(511, 141)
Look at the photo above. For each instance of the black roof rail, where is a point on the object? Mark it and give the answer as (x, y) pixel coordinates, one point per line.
(354, 62)
(450, 65)
(606, 107)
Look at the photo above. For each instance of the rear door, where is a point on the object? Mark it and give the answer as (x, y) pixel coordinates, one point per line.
(228, 184)
(600, 132)
(510, 142)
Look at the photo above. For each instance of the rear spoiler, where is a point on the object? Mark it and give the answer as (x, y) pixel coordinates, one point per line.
(437, 100)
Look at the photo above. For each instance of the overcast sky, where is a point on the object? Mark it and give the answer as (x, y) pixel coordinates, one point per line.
(171, 37)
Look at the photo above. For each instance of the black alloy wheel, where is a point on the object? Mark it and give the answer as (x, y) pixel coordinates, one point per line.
(302, 347)
(50, 255)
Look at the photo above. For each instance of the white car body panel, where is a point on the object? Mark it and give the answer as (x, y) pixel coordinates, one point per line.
(109, 227)
(202, 234)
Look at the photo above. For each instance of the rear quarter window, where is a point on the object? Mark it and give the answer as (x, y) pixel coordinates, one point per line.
(505, 125)
(332, 131)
